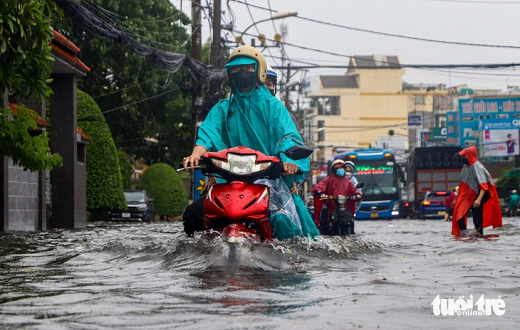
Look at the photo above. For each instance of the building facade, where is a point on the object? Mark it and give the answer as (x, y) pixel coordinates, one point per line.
(355, 109)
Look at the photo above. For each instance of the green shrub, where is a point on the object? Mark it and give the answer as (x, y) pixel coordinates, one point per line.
(126, 169)
(166, 188)
(104, 180)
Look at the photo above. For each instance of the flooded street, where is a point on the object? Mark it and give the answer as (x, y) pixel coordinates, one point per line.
(150, 276)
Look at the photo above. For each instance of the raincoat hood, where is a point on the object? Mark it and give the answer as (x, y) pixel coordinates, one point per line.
(471, 154)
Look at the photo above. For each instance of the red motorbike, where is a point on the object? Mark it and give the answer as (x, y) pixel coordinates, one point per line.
(239, 208)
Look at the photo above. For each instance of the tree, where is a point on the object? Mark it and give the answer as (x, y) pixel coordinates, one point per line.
(509, 180)
(104, 180)
(25, 33)
(166, 188)
(126, 169)
(120, 77)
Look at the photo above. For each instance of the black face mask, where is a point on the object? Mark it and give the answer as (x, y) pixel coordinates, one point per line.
(243, 79)
(465, 161)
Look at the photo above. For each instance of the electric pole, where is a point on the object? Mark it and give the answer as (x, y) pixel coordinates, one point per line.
(287, 99)
(196, 54)
(216, 55)
(197, 101)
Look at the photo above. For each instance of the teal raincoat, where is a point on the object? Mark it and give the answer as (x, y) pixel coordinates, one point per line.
(260, 121)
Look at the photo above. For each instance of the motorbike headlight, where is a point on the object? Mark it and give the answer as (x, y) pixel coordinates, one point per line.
(261, 166)
(241, 164)
(396, 206)
(342, 199)
(220, 163)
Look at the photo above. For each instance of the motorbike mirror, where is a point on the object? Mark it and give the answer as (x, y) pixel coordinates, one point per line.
(298, 152)
(360, 185)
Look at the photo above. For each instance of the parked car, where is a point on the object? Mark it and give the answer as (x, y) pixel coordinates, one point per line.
(434, 204)
(140, 207)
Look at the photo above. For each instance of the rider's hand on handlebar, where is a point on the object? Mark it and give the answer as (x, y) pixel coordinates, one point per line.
(289, 168)
(322, 196)
(193, 160)
(359, 196)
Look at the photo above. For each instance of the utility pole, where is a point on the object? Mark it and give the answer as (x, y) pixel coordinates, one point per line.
(196, 54)
(197, 101)
(215, 44)
(216, 53)
(287, 99)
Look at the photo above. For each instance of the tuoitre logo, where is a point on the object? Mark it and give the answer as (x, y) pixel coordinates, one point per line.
(466, 307)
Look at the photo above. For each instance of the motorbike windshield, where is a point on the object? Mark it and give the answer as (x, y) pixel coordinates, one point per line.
(381, 179)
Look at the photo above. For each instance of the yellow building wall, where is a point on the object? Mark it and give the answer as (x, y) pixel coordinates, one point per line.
(377, 106)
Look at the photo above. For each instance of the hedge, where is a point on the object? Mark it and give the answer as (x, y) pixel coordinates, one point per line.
(166, 188)
(104, 179)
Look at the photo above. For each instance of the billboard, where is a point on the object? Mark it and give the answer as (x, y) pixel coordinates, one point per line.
(463, 127)
(500, 138)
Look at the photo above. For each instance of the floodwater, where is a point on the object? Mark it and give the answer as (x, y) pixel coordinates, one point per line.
(150, 276)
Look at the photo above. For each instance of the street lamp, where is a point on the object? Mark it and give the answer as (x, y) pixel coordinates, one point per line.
(278, 15)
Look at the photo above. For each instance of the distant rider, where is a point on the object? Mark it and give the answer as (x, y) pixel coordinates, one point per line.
(513, 204)
(350, 169)
(450, 203)
(335, 185)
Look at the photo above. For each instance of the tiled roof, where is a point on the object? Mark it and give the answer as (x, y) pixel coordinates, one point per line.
(339, 81)
(63, 46)
(38, 120)
(83, 134)
(375, 61)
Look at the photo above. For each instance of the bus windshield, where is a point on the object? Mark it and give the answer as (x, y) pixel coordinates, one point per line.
(380, 178)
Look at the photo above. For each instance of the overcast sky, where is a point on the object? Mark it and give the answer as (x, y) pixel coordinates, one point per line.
(478, 22)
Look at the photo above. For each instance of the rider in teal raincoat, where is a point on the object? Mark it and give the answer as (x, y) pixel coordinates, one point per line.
(254, 118)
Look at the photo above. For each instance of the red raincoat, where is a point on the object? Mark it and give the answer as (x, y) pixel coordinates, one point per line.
(335, 186)
(473, 178)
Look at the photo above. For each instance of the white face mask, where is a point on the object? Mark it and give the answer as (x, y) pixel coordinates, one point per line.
(348, 174)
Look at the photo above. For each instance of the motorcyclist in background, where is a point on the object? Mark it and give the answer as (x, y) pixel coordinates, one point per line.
(335, 185)
(271, 80)
(253, 118)
(350, 169)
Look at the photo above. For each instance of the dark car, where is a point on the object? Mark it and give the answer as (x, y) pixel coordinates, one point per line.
(434, 204)
(140, 207)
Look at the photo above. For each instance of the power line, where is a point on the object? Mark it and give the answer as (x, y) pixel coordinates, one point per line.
(393, 34)
(474, 1)
(413, 66)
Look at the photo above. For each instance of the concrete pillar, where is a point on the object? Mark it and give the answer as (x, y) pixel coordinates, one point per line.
(69, 202)
(4, 212)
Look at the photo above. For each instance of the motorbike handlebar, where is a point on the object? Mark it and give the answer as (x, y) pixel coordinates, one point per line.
(181, 168)
(351, 197)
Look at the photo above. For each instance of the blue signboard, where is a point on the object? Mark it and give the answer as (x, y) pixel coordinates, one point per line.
(415, 120)
(474, 110)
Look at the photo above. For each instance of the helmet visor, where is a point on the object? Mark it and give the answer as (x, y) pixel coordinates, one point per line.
(242, 60)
